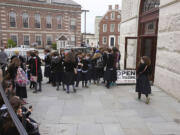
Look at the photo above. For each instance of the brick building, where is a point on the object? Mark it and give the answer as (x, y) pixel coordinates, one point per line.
(109, 34)
(40, 22)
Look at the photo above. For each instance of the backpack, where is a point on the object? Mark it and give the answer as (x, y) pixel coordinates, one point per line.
(99, 62)
(21, 78)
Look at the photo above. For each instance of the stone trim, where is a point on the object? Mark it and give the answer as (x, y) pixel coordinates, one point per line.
(168, 4)
(39, 8)
(41, 32)
(129, 19)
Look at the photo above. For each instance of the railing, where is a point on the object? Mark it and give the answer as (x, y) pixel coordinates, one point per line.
(13, 115)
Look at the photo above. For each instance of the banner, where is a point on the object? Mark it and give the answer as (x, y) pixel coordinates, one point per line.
(126, 77)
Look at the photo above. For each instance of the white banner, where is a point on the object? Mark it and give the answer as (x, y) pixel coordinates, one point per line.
(126, 77)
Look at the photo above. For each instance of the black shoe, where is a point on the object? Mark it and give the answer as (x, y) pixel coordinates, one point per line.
(67, 92)
(74, 90)
(35, 91)
(57, 89)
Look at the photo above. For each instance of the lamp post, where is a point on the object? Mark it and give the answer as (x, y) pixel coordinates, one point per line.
(85, 12)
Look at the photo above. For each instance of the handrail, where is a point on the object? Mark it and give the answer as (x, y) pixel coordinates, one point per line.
(13, 115)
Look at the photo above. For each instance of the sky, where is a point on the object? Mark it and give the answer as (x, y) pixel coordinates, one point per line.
(96, 8)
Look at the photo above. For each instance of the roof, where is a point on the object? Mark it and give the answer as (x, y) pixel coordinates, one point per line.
(68, 2)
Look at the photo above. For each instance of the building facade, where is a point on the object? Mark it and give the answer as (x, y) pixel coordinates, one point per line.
(152, 28)
(89, 39)
(40, 23)
(97, 28)
(109, 33)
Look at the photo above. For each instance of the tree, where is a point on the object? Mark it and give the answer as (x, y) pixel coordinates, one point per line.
(54, 46)
(11, 43)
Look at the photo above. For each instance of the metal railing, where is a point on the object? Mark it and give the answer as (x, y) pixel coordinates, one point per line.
(13, 115)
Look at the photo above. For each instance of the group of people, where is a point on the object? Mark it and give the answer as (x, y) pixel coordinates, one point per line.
(13, 79)
(70, 68)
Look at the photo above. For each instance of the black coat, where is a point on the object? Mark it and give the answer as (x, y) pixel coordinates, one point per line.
(69, 73)
(36, 72)
(108, 74)
(47, 61)
(143, 85)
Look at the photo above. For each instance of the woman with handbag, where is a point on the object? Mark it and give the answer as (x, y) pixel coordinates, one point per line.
(143, 84)
(36, 72)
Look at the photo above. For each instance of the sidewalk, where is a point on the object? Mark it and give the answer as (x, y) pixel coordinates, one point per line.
(101, 111)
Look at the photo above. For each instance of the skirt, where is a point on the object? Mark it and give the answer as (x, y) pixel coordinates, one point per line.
(47, 71)
(69, 78)
(143, 86)
(108, 75)
(59, 76)
(21, 92)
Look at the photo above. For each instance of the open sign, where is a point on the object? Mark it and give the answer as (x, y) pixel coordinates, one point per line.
(126, 77)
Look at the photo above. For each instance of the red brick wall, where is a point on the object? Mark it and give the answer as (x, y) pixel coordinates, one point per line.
(108, 21)
(70, 12)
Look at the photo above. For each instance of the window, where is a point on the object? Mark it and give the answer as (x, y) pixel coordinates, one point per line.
(14, 38)
(37, 21)
(59, 22)
(112, 28)
(72, 40)
(25, 19)
(104, 27)
(49, 40)
(106, 17)
(12, 19)
(39, 40)
(104, 40)
(48, 21)
(112, 15)
(26, 39)
(119, 40)
(119, 27)
(73, 24)
(150, 4)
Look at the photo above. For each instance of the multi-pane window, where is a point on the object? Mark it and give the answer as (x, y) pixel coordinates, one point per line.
(12, 19)
(25, 18)
(37, 21)
(112, 15)
(38, 39)
(59, 22)
(48, 21)
(49, 40)
(112, 27)
(26, 40)
(119, 26)
(73, 24)
(104, 40)
(14, 38)
(150, 4)
(104, 27)
(72, 40)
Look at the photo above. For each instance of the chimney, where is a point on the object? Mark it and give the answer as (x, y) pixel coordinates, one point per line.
(116, 7)
(110, 7)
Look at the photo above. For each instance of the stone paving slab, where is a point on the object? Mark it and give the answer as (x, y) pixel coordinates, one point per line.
(101, 111)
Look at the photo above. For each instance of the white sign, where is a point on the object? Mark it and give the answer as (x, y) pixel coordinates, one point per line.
(126, 77)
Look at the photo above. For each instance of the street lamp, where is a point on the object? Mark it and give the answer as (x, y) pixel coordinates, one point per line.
(85, 11)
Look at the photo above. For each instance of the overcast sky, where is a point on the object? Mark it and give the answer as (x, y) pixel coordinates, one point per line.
(97, 8)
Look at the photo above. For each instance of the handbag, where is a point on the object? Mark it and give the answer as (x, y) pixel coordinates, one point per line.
(75, 71)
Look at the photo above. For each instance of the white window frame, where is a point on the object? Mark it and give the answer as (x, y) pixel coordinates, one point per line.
(119, 27)
(113, 16)
(23, 19)
(40, 38)
(104, 27)
(59, 16)
(104, 37)
(73, 23)
(16, 37)
(39, 19)
(13, 12)
(29, 38)
(112, 29)
(49, 17)
(47, 39)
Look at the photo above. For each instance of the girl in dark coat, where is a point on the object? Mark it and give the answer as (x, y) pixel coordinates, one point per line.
(36, 71)
(108, 75)
(85, 63)
(79, 69)
(57, 69)
(70, 66)
(47, 60)
(143, 85)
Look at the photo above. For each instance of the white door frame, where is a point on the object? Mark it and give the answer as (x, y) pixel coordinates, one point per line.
(112, 36)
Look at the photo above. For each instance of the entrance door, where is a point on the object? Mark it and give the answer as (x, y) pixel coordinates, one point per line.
(148, 48)
(111, 41)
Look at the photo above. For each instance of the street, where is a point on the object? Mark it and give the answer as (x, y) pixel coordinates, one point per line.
(101, 111)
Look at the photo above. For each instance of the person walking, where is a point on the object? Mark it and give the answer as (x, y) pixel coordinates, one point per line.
(3, 60)
(143, 84)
